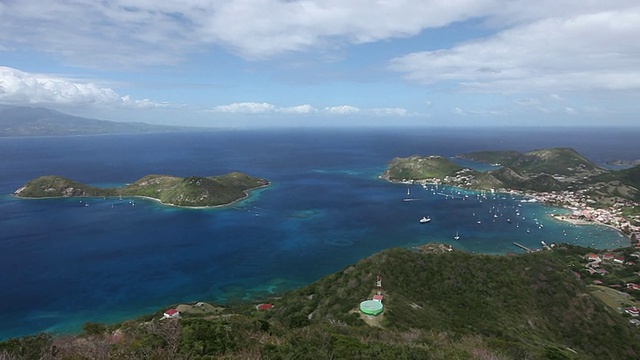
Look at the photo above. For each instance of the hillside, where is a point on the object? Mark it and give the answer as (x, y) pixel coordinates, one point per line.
(438, 305)
(420, 168)
(39, 121)
(562, 161)
(190, 191)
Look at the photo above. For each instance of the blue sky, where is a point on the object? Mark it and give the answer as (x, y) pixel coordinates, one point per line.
(257, 63)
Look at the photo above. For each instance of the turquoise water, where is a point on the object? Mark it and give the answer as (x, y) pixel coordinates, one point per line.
(64, 263)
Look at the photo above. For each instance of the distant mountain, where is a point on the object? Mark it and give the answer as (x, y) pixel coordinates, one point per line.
(40, 121)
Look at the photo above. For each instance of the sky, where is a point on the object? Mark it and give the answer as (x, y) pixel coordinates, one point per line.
(264, 63)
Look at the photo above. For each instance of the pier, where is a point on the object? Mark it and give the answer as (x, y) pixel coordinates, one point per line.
(522, 247)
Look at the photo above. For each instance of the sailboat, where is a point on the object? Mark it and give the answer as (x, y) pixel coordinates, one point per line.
(457, 237)
(425, 219)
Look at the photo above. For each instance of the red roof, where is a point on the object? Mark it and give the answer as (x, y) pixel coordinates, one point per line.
(171, 312)
(377, 297)
(264, 306)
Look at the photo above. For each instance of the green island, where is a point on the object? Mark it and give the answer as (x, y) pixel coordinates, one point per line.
(439, 303)
(192, 191)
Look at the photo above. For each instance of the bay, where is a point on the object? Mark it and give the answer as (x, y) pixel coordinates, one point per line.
(64, 262)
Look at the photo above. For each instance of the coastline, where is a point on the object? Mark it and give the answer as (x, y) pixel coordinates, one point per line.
(580, 222)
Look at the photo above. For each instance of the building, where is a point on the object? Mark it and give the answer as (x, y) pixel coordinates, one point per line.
(263, 307)
(171, 313)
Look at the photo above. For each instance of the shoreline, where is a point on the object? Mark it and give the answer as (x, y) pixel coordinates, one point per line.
(580, 222)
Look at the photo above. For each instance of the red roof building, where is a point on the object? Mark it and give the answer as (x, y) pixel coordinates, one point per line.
(377, 297)
(263, 307)
(633, 286)
(171, 313)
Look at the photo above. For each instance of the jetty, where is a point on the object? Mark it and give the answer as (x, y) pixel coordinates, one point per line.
(522, 247)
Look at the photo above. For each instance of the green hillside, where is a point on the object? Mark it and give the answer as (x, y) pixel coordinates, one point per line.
(438, 305)
(420, 168)
(492, 157)
(562, 161)
(57, 186)
(190, 191)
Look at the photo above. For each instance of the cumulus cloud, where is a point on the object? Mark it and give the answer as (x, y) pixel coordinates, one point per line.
(20, 88)
(300, 109)
(264, 108)
(342, 110)
(585, 51)
(245, 108)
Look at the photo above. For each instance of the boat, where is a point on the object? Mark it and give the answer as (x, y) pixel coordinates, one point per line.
(425, 219)
(457, 237)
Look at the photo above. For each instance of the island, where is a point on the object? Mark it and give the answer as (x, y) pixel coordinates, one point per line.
(557, 176)
(192, 191)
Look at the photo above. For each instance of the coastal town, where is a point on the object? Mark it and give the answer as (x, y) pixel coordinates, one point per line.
(584, 208)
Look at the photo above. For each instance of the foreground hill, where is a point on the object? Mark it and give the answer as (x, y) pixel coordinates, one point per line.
(190, 191)
(446, 305)
(39, 121)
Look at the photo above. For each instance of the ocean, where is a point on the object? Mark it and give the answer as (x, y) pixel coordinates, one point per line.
(64, 262)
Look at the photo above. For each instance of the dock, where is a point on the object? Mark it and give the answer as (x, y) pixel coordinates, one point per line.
(522, 247)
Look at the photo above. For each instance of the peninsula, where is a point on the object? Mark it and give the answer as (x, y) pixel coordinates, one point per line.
(558, 176)
(192, 191)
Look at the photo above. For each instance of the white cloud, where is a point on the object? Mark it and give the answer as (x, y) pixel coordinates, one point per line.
(342, 110)
(300, 109)
(245, 108)
(22, 88)
(389, 112)
(586, 51)
(134, 32)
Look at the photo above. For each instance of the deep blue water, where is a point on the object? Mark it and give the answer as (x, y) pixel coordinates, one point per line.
(63, 263)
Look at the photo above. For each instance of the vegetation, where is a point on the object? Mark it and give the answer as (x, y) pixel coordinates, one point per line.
(563, 161)
(438, 305)
(420, 168)
(189, 191)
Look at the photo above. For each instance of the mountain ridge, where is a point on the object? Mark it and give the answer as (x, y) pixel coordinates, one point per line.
(17, 121)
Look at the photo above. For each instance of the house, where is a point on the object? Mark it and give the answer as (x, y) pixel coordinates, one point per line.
(597, 282)
(618, 260)
(377, 298)
(607, 256)
(593, 257)
(633, 286)
(633, 311)
(635, 322)
(263, 307)
(171, 313)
